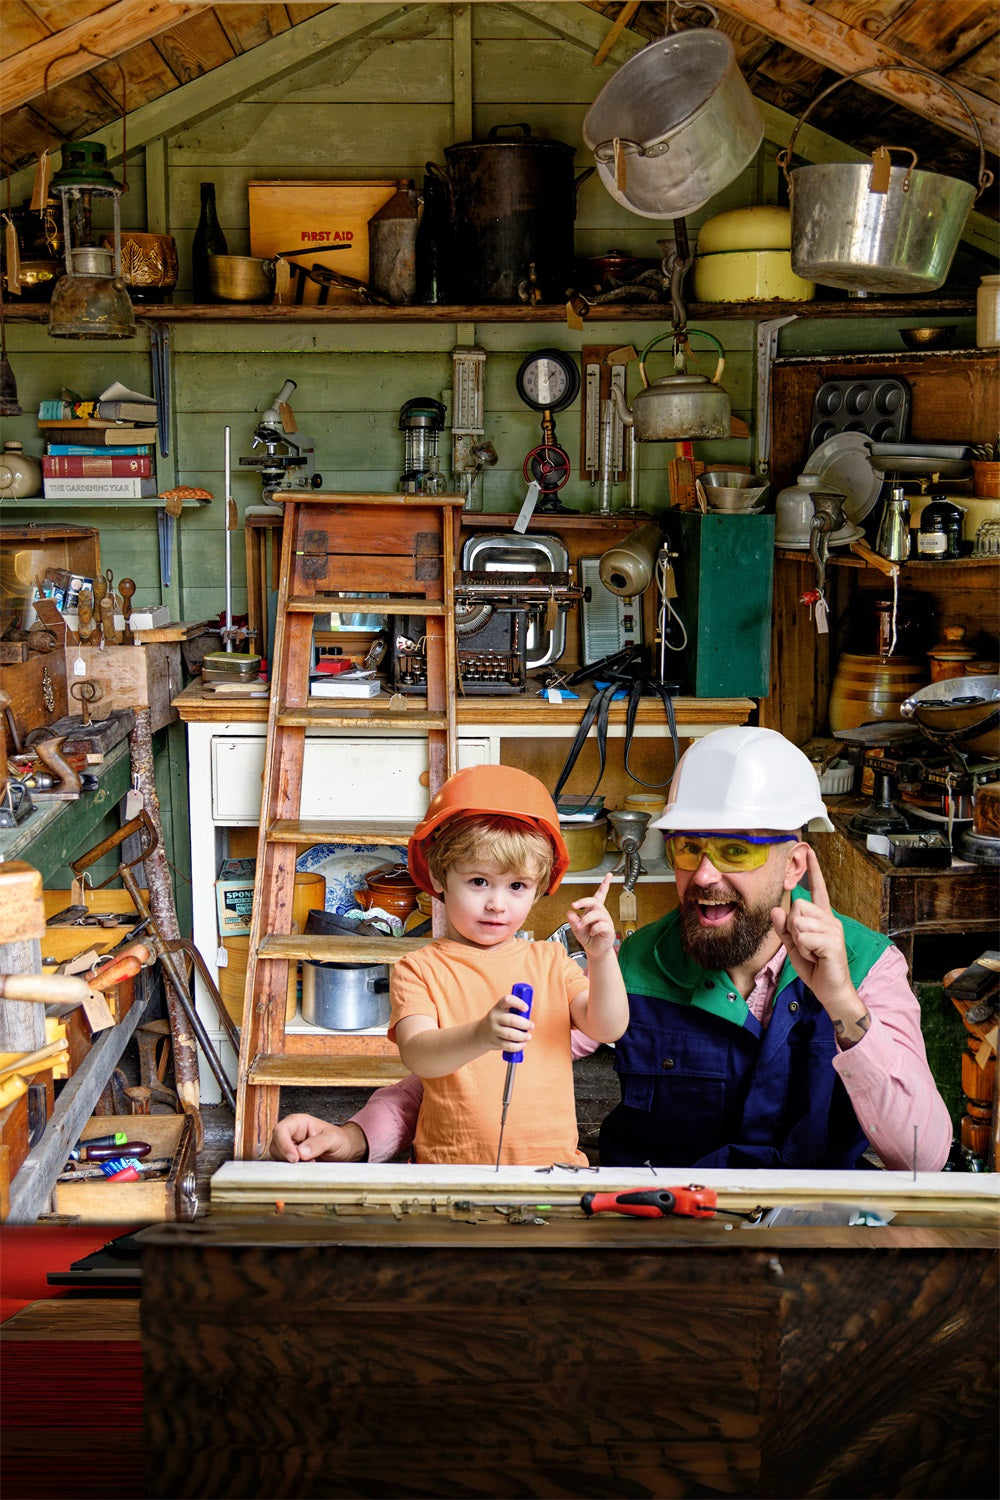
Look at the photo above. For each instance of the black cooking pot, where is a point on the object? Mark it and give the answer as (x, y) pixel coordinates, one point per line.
(512, 203)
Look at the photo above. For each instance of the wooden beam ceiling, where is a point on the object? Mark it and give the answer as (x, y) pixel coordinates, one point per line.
(847, 49)
(73, 51)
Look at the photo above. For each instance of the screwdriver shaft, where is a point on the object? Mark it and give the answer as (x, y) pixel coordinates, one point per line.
(508, 1089)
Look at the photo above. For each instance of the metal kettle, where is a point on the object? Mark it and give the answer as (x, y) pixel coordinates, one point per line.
(678, 406)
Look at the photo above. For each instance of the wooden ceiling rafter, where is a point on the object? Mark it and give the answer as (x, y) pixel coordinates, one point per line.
(75, 50)
(832, 44)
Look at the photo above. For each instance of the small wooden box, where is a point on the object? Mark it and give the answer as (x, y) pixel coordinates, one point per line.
(27, 552)
(131, 677)
(313, 215)
(100, 1201)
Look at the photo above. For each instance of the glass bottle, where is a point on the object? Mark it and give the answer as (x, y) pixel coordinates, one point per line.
(433, 239)
(208, 240)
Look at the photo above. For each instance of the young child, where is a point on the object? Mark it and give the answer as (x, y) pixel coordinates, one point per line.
(487, 848)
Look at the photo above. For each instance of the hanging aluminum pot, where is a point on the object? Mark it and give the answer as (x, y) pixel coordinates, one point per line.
(675, 125)
(873, 227)
(513, 203)
(677, 407)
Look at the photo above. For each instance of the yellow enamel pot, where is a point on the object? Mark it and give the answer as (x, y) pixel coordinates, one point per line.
(749, 276)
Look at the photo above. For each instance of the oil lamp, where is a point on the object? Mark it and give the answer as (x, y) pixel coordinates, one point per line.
(421, 419)
(90, 301)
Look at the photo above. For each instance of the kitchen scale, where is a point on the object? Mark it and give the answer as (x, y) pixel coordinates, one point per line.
(548, 381)
(899, 756)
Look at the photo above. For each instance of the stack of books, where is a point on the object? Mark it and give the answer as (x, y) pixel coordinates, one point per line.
(99, 450)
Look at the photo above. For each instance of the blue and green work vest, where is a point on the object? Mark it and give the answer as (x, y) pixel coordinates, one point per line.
(705, 1084)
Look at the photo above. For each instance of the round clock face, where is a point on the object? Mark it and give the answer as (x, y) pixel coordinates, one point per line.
(548, 380)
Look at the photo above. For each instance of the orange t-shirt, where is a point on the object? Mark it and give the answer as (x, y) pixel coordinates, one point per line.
(459, 1120)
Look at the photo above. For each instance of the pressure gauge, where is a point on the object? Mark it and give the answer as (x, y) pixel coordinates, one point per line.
(548, 380)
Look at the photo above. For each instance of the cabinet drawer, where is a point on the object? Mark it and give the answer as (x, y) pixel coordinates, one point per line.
(370, 776)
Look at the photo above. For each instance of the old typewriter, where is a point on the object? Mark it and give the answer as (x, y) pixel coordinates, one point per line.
(506, 623)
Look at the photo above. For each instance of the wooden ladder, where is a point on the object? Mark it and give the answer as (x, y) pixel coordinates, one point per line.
(398, 552)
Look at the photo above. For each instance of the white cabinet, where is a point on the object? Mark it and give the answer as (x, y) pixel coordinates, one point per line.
(375, 777)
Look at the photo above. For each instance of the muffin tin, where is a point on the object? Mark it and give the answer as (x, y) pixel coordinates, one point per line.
(878, 407)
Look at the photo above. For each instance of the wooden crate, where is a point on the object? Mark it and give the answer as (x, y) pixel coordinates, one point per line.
(131, 677)
(27, 552)
(287, 215)
(99, 1201)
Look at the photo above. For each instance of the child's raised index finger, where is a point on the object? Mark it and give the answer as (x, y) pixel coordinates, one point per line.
(817, 885)
(597, 899)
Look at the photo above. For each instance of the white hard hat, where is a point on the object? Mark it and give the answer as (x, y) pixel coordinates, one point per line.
(741, 778)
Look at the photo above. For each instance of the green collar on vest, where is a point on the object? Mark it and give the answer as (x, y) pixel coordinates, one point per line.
(654, 963)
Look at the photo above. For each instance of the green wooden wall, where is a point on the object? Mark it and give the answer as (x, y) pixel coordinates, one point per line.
(381, 105)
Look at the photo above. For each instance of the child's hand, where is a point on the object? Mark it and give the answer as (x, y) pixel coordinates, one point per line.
(505, 1028)
(590, 922)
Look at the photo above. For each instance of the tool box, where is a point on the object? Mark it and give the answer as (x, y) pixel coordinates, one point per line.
(100, 1200)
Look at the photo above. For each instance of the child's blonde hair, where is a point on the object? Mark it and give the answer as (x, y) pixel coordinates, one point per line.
(509, 844)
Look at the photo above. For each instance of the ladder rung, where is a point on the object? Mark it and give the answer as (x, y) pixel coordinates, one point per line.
(330, 948)
(315, 716)
(369, 604)
(329, 1071)
(308, 831)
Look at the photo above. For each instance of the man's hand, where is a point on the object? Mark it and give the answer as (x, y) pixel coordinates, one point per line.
(306, 1138)
(590, 922)
(814, 941)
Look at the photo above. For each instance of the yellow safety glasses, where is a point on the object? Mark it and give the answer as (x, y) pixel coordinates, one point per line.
(731, 854)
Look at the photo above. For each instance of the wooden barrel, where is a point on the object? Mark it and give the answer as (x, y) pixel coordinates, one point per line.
(869, 688)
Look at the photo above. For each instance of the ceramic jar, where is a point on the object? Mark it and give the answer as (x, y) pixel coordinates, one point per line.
(20, 474)
(392, 888)
(988, 313)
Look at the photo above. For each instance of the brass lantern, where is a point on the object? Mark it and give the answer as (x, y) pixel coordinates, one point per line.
(90, 301)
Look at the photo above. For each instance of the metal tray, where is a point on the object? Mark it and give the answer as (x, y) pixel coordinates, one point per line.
(878, 406)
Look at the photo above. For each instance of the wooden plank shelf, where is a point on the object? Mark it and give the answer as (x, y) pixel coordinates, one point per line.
(351, 948)
(369, 604)
(554, 312)
(308, 831)
(290, 1070)
(318, 716)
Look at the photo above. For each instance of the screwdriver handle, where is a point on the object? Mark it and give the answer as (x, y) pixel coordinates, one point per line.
(520, 992)
(647, 1203)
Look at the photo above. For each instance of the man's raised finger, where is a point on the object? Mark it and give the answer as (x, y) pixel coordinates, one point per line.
(817, 885)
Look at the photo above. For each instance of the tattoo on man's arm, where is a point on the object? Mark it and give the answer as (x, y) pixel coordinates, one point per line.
(861, 1025)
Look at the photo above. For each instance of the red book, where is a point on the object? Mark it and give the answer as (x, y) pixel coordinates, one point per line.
(116, 466)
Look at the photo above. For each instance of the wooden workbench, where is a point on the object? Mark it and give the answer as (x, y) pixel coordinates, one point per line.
(342, 1357)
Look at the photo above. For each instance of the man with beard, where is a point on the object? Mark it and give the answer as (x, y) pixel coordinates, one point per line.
(765, 1030)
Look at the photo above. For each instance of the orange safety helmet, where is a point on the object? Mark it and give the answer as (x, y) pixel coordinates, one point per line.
(501, 791)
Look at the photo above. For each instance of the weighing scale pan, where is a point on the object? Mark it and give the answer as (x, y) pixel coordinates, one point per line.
(920, 468)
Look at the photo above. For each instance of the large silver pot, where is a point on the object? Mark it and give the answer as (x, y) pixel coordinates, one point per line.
(677, 407)
(869, 226)
(345, 997)
(674, 126)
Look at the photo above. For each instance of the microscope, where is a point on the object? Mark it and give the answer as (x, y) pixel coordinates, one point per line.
(288, 461)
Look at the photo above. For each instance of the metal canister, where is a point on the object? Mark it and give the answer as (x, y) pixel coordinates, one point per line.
(513, 203)
(392, 246)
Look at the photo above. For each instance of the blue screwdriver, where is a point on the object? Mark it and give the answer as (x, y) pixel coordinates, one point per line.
(520, 992)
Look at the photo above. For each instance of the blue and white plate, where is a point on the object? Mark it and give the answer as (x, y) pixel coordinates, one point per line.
(344, 867)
